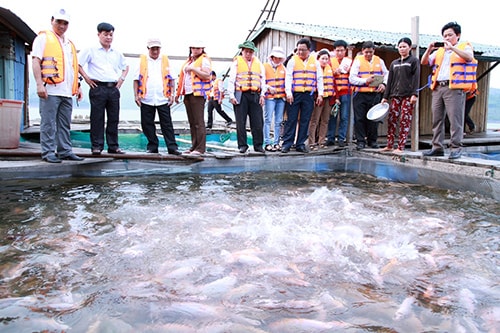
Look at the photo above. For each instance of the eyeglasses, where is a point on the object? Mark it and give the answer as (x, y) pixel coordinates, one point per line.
(302, 50)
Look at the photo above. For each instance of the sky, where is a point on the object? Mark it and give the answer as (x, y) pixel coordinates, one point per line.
(223, 24)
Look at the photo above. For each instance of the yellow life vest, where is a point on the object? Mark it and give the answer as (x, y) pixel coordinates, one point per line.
(462, 73)
(53, 65)
(200, 86)
(275, 77)
(304, 75)
(248, 78)
(342, 79)
(328, 82)
(367, 69)
(165, 75)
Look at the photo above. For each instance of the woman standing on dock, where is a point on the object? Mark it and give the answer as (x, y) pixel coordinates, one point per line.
(402, 90)
(194, 84)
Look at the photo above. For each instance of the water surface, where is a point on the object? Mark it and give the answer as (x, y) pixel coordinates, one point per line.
(251, 252)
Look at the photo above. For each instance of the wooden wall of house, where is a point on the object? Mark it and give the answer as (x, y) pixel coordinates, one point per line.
(288, 41)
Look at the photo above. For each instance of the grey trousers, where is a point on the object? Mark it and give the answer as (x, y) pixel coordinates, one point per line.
(55, 125)
(450, 102)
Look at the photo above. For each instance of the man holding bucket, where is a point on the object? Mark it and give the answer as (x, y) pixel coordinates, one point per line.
(366, 69)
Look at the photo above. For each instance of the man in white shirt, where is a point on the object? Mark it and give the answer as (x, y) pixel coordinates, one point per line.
(104, 69)
(448, 93)
(55, 69)
(153, 91)
(365, 70)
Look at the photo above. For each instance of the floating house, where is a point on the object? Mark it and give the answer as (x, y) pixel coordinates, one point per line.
(16, 39)
(286, 35)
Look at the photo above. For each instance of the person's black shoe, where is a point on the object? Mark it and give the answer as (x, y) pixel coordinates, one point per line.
(243, 150)
(433, 152)
(329, 143)
(285, 150)
(259, 150)
(454, 154)
(152, 151)
(96, 151)
(115, 151)
(52, 159)
(374, 145)
(302, 150)
(342, 143)
(175, 152)
(72, 157)
(360, 146)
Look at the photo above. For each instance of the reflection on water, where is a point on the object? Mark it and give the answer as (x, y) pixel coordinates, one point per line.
(260, 252)
(137, 142)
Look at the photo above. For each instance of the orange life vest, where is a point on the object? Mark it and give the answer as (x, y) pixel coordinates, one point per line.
(304, 75)
(165, 74)
(214, 91)
(248, 78)
(200, 86)
(328, 82)
(53, 65)
(342, 79)
(367, 69)
(275, 77)
(462, 73)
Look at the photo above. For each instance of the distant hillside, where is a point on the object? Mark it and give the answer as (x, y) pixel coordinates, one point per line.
(494, 105)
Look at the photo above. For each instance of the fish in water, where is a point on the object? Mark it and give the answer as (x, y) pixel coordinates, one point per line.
(303, 325)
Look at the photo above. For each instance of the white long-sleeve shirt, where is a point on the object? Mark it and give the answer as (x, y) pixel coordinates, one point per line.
(354, 79)
(231, 83)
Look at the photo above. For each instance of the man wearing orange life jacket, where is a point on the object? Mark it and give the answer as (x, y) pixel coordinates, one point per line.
(55, 69)
(194, 85)
(246, 89)
(453, 75)
(304, 77)
(215, 97)
(153, 91)
(341, 65)
(368, 92)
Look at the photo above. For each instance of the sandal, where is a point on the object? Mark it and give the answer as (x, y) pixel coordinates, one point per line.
(277, 147)
(115, 151)
(269, 148)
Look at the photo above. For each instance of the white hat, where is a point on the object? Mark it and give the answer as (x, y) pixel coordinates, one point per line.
(61, 14)
(154, 42)
(277, 52)
(197, 43)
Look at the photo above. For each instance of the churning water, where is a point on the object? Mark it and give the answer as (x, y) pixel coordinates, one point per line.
(253, 252)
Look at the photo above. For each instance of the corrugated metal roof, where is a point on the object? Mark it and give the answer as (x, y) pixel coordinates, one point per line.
(14, 23)
(355, 36)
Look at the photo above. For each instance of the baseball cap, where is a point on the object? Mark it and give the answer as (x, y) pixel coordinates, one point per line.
(61, 14)
(154, 42)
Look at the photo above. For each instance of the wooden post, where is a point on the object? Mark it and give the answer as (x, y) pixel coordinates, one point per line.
(415, 122)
